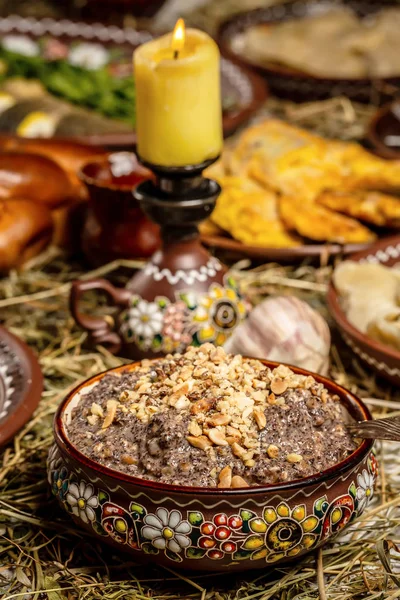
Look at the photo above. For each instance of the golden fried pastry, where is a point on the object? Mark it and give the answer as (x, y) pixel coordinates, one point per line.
(313, 44)
(369, 206)
(318, 223)
(286, 158)
(361, 169)
(249, 213)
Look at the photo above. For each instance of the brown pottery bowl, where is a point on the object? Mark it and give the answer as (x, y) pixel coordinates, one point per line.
(384, 131)
(382, 359)
(210, 528)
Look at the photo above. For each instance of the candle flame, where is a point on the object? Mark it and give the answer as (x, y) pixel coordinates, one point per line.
(178, 36)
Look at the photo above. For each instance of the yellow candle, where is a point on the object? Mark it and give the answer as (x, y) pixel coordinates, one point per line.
(178, 98)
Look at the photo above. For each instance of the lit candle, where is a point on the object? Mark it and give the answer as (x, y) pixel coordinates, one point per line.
(178, 98)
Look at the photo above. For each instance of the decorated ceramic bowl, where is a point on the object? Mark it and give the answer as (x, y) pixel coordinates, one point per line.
(210, 528)
(384, 360)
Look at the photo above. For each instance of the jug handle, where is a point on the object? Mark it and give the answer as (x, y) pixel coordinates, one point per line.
(101, 329)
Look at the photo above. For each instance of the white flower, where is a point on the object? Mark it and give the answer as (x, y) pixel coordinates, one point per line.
(365, 489)
(146, 319)
(20, 44)
(82, 500)
(166, 530)
(88, 56)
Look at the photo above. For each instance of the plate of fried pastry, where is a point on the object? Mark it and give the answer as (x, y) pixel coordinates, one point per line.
(289, 193)
(312, 49)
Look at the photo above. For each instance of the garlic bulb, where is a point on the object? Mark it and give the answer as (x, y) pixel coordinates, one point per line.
(286, 330)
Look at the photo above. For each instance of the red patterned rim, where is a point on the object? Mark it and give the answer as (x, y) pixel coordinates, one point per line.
(338, 314)
(353, 404)
(27, 382)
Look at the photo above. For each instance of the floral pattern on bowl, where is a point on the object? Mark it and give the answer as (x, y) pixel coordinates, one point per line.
(273, 533)
(207, 528)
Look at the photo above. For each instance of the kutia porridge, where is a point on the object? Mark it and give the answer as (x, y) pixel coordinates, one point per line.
(209, 419)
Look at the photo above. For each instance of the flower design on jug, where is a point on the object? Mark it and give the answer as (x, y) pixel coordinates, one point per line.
(167, 530)
(175, 327)
(217, 314)
(82, 500)
(143, 321)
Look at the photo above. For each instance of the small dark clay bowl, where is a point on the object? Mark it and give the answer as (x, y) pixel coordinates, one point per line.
(210, 528)
(382, 359)
(116, 226)
(385, 123)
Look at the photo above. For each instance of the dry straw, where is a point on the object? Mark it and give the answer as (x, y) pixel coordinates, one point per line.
(43, 555)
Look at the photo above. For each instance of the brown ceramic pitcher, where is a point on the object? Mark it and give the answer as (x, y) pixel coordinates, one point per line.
(183, 296)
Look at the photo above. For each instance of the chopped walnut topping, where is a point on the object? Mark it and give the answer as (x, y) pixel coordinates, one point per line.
(110, 414)
(201, 442)
(225, 477)
(92, 419)
(294, 458)
(260, 418)
(279, 386)
(238, 482)
(217, 437)
(97, 410)
(230, 407)
(194, 428)
(273, 451)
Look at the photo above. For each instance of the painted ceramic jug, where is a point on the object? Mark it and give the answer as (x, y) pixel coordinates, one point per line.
(183, 295)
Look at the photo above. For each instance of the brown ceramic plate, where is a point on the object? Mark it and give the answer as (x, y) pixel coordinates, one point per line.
(238, 249)
(21, 384)
(288, 82)
(382, 359)
(243, 92)
(384, 131)
(213, 529)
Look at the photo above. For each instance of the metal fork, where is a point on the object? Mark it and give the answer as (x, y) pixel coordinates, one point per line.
(379, 429)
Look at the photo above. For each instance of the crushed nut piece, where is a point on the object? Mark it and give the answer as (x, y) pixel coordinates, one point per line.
(217, 437)
(238, 482)
(260, 418)
(278, 386)
(201, 442)
(194, 428)
(128, 460)
(92, 419)
(219, 419)
(225, 477)
(110, 414)
(97, 410)
(238, 450)
(202, 406)
(273, 451)
(294, 458)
